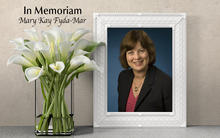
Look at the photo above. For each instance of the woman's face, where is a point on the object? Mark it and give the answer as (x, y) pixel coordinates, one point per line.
(138, 58)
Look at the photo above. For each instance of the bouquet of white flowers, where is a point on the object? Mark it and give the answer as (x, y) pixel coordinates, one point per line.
(55, 57)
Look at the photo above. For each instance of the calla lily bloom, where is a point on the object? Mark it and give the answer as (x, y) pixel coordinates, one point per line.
(56, 33)
(59, 35)
(49, 39)
(64, 50)
(57, 67)
(89, 66)
(19, 43)
(78, 52)
(38, 46)
(23, 50)
(41, 47)
(33, 34)
(82, 44)
(78, 34)
(86, 45)
(33, 73)
(56, 58)
(76, 61)
(29, 55)
(20, 60)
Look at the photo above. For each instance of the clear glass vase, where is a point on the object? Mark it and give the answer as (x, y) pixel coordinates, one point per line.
(53, 111)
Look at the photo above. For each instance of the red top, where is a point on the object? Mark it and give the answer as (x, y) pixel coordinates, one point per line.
(131, 102)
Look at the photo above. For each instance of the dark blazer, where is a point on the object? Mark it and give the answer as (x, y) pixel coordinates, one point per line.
(155, 94)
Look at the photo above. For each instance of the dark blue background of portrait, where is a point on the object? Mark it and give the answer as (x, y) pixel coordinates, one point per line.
(162, 39)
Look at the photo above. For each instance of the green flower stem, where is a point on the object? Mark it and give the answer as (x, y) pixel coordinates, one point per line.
(73, 75)
(63, 117)
(69, 118)
(44, 122)
(42, 90)
(59, 112)
(40, 58)
(43, 118)
(62, 47)
(70, 79)
(49, 93)
(50, 109)
(61, 120)
(44, 83)
(62, 114)
(65, 113)
(71, 54)
(40, 122)
(63, 83)
(65, 70)
(44, 96)
(55, 115)
(44, 107)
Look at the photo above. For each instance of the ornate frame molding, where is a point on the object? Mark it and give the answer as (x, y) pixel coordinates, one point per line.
(176, 118)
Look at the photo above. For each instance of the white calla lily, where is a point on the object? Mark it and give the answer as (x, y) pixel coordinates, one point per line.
(39, 46)
(55, 58)
(20, 60)
(59, 35)
(78, 34)
(68, 37)
(78, 52)
(86, 45)
(47, 55)
(76, 61)
(64, 50)
(48, 38)
(82, 44)
(89, 66)
(56, 33)
(33, 34)
(30, 45)
(57, 67)
(29, 55)
(33, 73)
(19, 43)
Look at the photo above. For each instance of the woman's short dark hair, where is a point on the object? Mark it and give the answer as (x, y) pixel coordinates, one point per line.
(129, 42)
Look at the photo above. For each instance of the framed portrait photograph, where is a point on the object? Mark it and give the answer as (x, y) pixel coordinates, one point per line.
(143, 82)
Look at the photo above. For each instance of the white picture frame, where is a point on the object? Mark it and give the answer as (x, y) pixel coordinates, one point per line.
(176, 118)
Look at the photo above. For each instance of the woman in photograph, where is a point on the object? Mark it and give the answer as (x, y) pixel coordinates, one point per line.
(142, 87)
